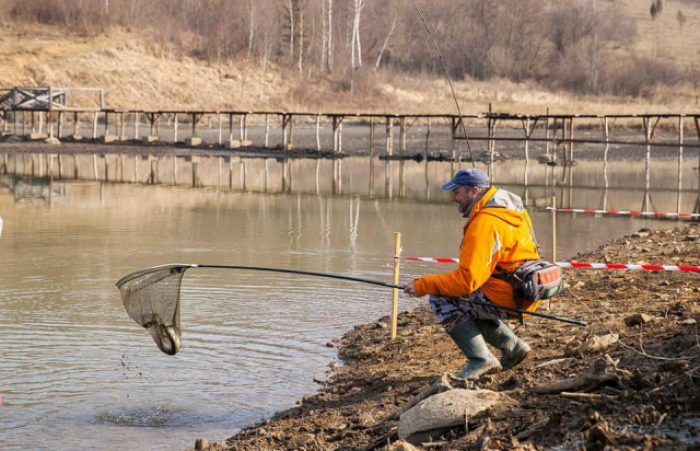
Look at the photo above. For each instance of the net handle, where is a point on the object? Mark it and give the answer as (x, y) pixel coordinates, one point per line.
(185, 267)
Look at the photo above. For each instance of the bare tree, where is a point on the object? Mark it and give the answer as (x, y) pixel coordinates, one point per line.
(291, 22)
(329, 41)
(385, 44)
(251, 27)
(301, 30)
(327, 36)
(355, 44)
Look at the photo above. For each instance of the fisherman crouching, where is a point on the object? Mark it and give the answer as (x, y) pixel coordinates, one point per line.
(497, 243)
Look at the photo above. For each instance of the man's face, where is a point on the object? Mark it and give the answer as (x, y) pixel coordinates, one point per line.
(464, 195)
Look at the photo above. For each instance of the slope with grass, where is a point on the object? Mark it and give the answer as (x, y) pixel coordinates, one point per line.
(138, 73)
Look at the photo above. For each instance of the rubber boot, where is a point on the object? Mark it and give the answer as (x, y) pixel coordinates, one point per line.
(497, 334)
(481, 361)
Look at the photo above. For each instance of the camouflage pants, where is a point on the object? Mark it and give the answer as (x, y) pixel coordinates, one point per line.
(451, 312)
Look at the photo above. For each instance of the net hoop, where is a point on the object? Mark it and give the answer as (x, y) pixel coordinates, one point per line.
(143, 271)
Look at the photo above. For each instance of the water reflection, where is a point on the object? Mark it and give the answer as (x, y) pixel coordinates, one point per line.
(415, 180)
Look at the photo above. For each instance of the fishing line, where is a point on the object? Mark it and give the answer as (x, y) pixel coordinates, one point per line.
(449, 80)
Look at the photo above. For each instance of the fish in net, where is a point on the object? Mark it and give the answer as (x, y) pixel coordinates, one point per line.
(151, 297)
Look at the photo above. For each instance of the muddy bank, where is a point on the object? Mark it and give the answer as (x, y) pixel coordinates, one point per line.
(640, 392)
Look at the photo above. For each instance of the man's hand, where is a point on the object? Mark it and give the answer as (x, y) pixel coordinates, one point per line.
(410, 289)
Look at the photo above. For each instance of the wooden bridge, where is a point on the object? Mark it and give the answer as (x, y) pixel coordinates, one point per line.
(553, 137)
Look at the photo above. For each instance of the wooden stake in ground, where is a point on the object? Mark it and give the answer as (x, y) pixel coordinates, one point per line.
(395, 291)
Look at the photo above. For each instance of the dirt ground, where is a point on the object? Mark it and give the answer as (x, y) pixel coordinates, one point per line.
(638, 393)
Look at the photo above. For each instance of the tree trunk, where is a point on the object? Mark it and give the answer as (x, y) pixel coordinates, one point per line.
(329, 48)
(386, 43)
(355, 46)
(301, 30)
(251, 28)
(290, 10)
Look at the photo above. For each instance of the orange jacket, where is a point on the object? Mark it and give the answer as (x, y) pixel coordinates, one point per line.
(497, 233)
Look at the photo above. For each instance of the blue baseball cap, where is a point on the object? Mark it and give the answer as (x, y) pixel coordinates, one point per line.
(468, 177)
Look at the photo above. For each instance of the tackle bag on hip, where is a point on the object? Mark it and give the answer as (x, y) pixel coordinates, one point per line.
(537, 280)
(533, 281)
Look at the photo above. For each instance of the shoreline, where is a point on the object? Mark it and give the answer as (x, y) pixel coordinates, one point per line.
(640, 392)
(357, 146)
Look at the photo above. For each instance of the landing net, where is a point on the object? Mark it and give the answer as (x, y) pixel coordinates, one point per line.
(151, 297)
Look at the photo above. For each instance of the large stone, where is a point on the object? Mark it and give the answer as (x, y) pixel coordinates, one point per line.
(193, 141)
(448, 409)
(38, 136)
(233, 143)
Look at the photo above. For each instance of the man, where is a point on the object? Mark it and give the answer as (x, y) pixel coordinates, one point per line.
(497, 239)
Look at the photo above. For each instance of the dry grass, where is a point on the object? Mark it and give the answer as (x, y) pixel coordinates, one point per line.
(664, 38)
(135, 73)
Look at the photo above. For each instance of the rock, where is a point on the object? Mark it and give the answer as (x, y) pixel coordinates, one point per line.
(366, 420)
(691, 238)
(639, 318)
(688, 322)
(53, 141)
(674, 366)
(591, 344)
(201, 444)
(320, 377)
(447, 409)
(402, 445)
(547, 159)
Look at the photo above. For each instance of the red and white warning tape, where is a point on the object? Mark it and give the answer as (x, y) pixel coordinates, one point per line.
(626, 213)
(579, 265)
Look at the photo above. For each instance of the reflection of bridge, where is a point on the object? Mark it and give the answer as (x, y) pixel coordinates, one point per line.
(36, 190)
(620, 184)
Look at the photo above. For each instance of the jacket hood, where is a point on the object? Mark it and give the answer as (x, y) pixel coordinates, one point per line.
(499, 203)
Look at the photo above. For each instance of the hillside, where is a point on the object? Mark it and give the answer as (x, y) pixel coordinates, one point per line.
(137, 73)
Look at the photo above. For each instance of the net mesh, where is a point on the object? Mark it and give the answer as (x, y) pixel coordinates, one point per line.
(152, 298)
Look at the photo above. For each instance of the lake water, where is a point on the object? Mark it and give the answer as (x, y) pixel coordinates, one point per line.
(77, 373)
